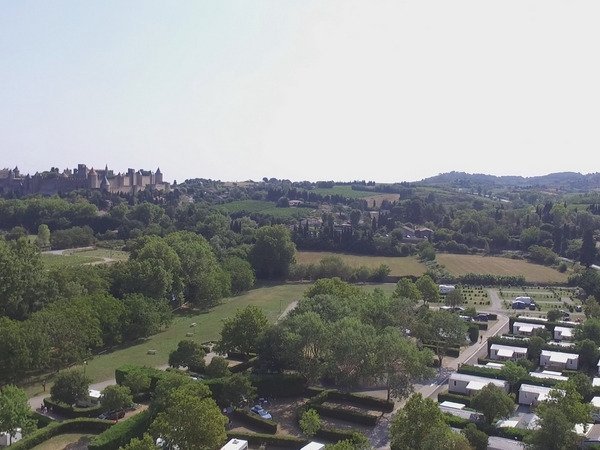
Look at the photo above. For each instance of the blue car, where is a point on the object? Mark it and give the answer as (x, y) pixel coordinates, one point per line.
(257, 409)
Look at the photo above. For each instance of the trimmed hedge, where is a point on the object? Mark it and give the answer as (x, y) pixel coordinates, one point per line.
(81, 425)
(337, 412)
(481, 372)
(457, 398)
(362, 400)
(41, 420)
(150, 372)
(280, 385)
(455, 421)
(121, 433)
(241, 367)
(268, 426)
(334, 434)
(259, 439)
(72, 412)
(453, 352)
(510, 433)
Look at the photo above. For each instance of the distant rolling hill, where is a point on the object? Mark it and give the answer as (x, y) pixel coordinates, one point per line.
(572, 180)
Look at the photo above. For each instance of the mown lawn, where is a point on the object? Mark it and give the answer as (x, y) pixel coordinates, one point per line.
(76, 258)
(399, 266)
(273, 300)
(536, 273)
(74, 441)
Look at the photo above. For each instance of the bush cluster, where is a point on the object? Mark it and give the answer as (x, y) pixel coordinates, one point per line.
(121, 433)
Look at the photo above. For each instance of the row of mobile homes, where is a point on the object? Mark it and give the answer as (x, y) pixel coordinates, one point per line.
(559, 361)
(507, 352)
(526, 329)
(460, 383)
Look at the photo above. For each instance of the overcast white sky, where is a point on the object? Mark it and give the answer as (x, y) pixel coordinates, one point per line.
(236, 90)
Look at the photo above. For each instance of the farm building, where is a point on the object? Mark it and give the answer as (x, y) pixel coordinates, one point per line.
(559, 360)
(461, 383)
(549, 374)
(561, 333)
(507, 352)
(532, 395)
(526, 329)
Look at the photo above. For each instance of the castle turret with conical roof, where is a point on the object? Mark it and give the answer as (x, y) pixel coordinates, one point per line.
(105, 184)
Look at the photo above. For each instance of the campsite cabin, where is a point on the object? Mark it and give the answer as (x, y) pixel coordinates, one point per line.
(460, 383)
(507, 352)
(532, 395)
(558, 360)
(561, 333)
(526, 329)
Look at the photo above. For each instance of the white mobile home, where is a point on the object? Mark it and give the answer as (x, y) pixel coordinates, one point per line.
(561, 333)
(523, 299)
(507, 352)
(526, 329)
(460, 383)
(235, 444)
(532, 395)
(446, 288)
(559, 360)
(549, 374)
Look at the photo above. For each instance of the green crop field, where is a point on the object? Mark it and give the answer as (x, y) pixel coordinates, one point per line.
(463, 264)
(273, 300)
(399, 266)
(268, 208)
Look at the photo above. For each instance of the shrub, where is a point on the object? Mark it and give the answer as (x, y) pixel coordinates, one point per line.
(457, 398)
(478, 439)
(54, 429)
(121, 433)
(310, 422)
(473, 333)
(258, 439)
(455, 421)
(72, 412)
(248, 417)
(341, 413)
(218, 367)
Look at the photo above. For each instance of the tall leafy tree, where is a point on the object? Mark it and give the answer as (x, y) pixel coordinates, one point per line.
(430, 291)
(191, 422)
(412, 424)
(242, 332)
(494, 403)
(400, 363)
(43, 237)
(116, 397)
(444, 330)
(189, 354)
(15, 412)
(70, 387)
(273, 252)
(588, 248)
(405, 288)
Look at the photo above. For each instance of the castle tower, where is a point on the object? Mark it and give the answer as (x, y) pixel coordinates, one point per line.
(158, 176)
(105, 184)
(93, 181)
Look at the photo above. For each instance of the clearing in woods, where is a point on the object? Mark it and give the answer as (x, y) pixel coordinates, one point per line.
(399, 266)
(495, 265)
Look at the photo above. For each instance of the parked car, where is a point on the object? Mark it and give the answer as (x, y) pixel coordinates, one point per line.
(112, 415)
(578, 308)
(481, 317)
(263, 413)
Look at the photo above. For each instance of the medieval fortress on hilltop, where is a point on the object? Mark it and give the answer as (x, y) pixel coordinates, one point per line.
(55, 182)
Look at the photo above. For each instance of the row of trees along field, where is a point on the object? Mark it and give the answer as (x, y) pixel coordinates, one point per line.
(50, 319)
(461, 224)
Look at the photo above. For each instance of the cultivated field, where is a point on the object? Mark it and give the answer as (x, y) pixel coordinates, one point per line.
(399, 266)
(268, 208)
(463, 264)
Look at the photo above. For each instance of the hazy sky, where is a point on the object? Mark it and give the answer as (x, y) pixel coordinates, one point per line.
(236, 90)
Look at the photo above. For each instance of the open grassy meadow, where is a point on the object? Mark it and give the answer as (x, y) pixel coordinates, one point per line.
(399, 266)
(462, 264)
(71, 258)
(273, 300)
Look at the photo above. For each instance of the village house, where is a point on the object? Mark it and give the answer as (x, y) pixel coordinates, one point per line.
(526, 329)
